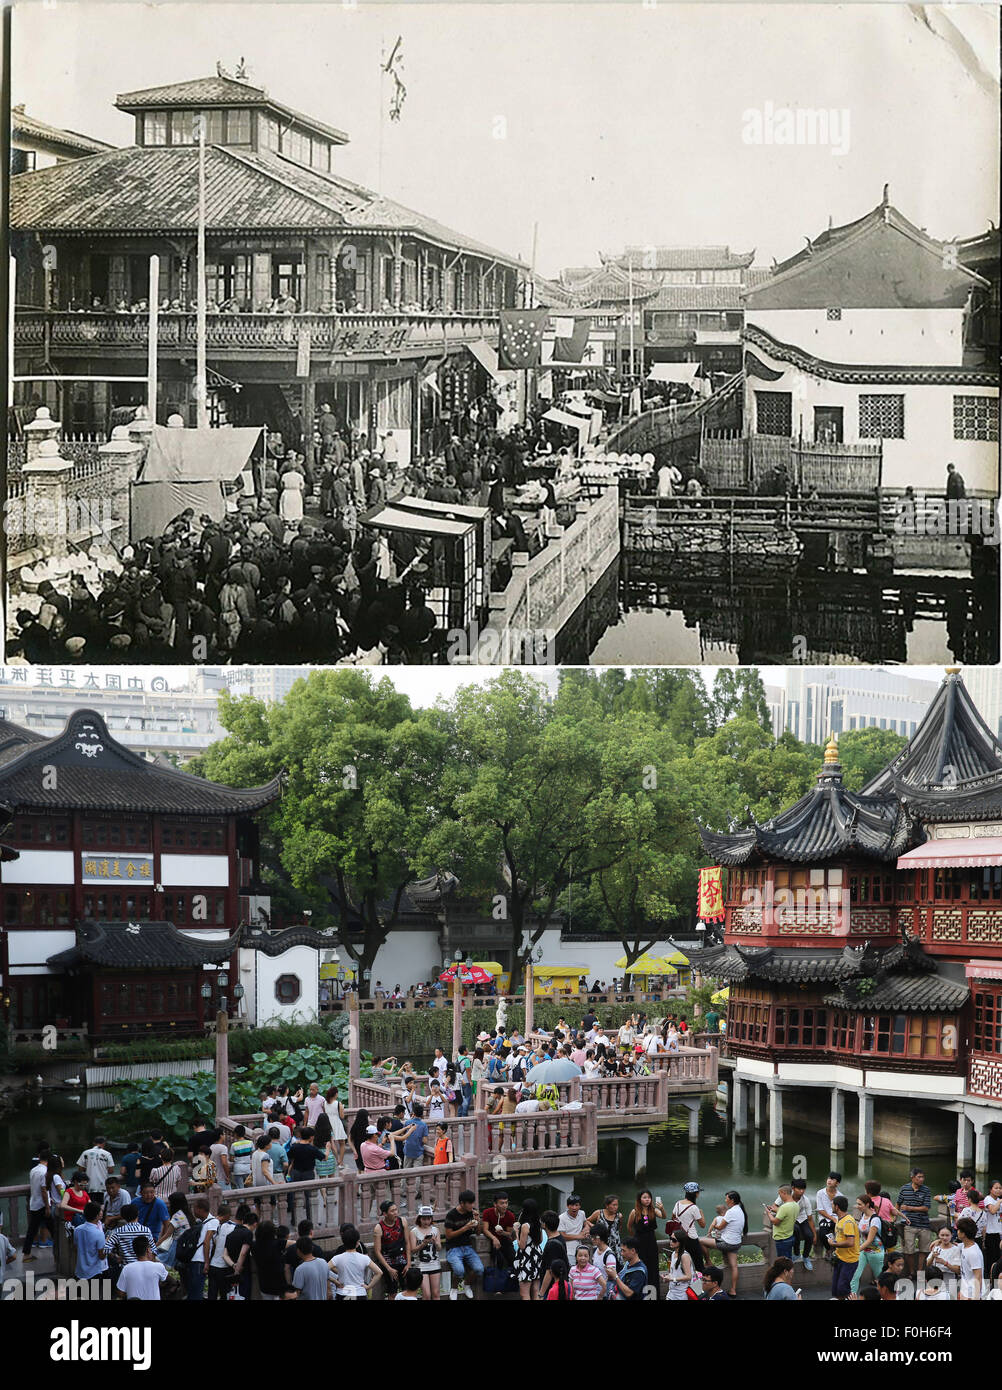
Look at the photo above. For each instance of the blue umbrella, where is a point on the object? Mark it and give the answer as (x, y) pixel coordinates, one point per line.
(560, 1069)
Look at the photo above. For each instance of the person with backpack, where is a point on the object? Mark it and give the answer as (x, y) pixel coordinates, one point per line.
(191, 1254)
(218, 1271)
(871, 1240)
(686, 1216)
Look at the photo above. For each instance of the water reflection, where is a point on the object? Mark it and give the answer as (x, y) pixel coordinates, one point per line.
(707, 609)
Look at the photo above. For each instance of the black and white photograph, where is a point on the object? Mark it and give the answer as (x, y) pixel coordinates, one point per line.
(488, 334)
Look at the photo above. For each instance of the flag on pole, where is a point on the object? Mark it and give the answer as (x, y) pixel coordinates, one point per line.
(521, 337)
(570, 338)
(393, 68)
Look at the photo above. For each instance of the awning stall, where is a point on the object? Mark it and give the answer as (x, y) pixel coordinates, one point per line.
(187, 468)
(560, 979)
(653, 965)
(954, 854)
(682, 373)
(456, 571)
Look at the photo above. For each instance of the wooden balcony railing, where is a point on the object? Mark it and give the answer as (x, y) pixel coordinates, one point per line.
(473, 1001)
(341, 334)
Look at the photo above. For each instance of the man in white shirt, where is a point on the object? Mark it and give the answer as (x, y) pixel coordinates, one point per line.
(218, 1269)
(440, 1063)
(142, 1279)
(972, 1263)
(97, 1162)
(573, 1222)
(38, 1205)
(826, 1211)
(655, 1047)
(529, 1106)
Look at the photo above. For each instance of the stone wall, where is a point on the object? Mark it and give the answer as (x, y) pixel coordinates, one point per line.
(545, 591)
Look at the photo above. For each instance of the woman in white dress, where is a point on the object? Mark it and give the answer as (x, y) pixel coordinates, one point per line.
(334, 1111)
(290, 504)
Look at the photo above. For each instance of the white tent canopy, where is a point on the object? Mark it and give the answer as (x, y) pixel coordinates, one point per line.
(682, 372)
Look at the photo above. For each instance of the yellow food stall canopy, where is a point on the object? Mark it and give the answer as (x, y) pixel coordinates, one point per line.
(721, 996)
(491, 966)
(560, 972)
(653, 965)
(329, 972)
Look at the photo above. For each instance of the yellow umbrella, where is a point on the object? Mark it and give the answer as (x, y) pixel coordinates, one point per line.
(653, 965)
(721, 996)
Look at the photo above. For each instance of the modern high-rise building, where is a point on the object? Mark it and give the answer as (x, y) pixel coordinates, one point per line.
(268, 683)
(821, 700)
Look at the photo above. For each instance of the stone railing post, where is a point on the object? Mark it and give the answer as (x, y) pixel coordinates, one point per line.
(123, 456)
(46, 499)
(42, 428)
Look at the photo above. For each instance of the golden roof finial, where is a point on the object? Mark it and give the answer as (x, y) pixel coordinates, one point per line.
(952, 670)
(831, 750)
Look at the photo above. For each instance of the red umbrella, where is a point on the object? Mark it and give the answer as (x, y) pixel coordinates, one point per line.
(468, 974)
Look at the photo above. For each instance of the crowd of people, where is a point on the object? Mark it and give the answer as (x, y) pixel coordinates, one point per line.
(292, 567)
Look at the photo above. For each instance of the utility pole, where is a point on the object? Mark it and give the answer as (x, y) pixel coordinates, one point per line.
(151, 345)
(201, 394)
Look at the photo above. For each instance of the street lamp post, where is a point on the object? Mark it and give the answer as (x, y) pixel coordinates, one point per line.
(529, 999)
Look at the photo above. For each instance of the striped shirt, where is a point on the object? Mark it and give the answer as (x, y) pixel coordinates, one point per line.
(920, 1197)
(165, 1180)
(585, 1283)
(120, 1240)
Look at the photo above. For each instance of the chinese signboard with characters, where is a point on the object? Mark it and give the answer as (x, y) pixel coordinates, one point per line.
(104, 868)
(382, 338)
(78, 678)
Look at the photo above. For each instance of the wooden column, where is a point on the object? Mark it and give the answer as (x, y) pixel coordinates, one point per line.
(530, 1001)
(222, 1064)
(354, 1050)
(398, 251)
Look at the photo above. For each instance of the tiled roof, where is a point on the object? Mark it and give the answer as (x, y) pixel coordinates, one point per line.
(696, 297)
(142, 946)
(155, 188)
(14, 739)
(96, 773)
(219, 91)
(21, 124)
(207, 91)
(902, 977)
(881, 261)
(951, 745)
(827, 822)
(909, 993)
(686, 257)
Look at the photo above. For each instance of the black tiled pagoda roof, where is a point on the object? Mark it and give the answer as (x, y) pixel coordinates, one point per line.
(95, 773)
(951, 768)
(142, 945)
(952, 746)
(900, 977)
(826, 823)
(161, 945)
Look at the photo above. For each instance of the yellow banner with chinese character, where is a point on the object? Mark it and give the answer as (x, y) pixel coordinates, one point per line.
(711, 895)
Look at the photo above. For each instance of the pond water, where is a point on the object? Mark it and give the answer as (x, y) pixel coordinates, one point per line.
(677, 611)
(718, 1161)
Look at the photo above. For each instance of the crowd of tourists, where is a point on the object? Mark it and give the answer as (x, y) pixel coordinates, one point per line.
(195, 1222)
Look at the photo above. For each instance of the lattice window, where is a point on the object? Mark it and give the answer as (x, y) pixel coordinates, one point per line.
(881, 417)
(774, 413)
(987, 1021)
(976, 417)
(833, 315)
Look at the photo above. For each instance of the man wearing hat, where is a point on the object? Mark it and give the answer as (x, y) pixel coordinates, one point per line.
(372, 1153)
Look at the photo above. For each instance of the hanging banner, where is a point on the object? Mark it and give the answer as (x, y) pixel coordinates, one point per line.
(711, 895)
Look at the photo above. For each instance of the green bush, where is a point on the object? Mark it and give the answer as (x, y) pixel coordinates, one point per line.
(32, 1055)
(243, 1043)
(420, 1031)
(176, 1100)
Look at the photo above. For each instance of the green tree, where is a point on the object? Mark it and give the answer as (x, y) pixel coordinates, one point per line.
(363, 795)
(738, 693)
(864, 752)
